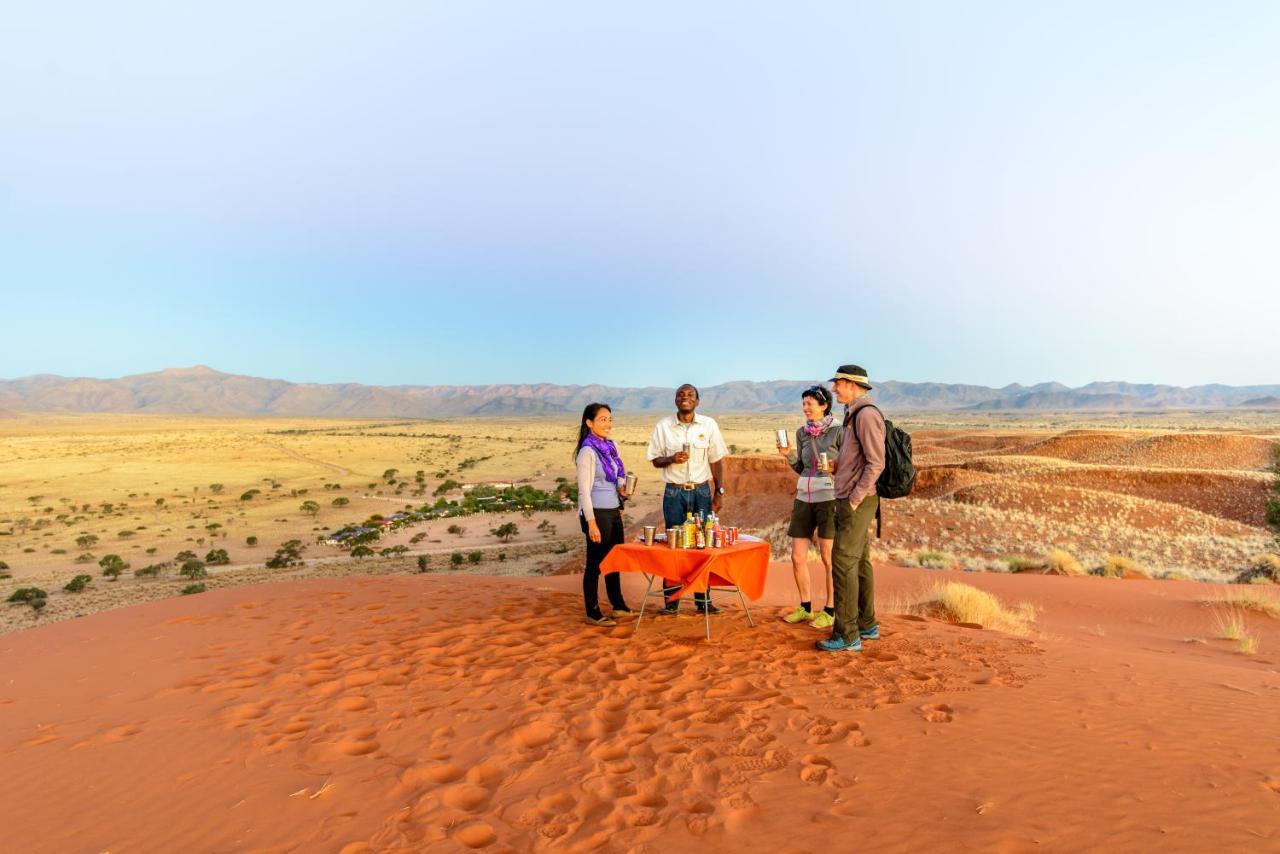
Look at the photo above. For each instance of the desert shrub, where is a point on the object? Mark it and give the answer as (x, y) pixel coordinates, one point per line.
(417, 538)
(506, 531)
(311, 508)
(248, 494)
(184, 555)
(193, 569)
(475, 557)
(964, 604)
(4, 567)
(217, 557)
(85, 558)
(1021, 564)
(250, 541)
(150, 571)
(215, 488)
(193, 588)
(360, 552)
(393, 551)
(1263, 569)
(456, 558)
(502, 556)
(424, 564)
(78, 584)
(27, 594)
(1118, 566)
(1061, 562)
(289, 553)
(1229, 622)
(456, 529)
(340, 501)
(546, 527)
(934, 560)
(124, 535)
(86, 541)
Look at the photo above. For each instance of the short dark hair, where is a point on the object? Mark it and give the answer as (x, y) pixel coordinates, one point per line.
(696, 393)
(821, 395)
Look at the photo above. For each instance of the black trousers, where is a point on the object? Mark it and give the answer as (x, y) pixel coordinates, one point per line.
(610, 524)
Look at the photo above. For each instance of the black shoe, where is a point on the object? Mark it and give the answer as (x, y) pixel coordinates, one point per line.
(708, 608)
(668, 610)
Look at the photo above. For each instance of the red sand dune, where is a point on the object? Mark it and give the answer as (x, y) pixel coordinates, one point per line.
(1239, 497)
(418, 713)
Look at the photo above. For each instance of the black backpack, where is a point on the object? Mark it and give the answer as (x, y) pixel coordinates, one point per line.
(899, 475)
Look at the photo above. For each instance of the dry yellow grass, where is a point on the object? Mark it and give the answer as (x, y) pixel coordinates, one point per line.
(1229, 622)
(1063, 562)
(965, 604)
(1262, 601)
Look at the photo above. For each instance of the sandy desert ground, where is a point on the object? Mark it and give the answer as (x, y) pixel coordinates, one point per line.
(423, 712)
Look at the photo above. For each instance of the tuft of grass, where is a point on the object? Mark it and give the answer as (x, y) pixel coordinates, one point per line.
(962, 603)
(1118, 566)
(934, 560)
(1062, 562)
(1248, 645)
(193, 588)
(1229, 622)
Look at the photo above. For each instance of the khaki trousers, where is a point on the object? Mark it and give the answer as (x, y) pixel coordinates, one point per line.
(851, 575)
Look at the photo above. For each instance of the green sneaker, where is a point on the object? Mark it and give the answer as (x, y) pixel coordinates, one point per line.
(799, 615)
(823, 621)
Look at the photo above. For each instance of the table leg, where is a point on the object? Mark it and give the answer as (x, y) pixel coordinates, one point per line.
(644, 600)
(741, 599)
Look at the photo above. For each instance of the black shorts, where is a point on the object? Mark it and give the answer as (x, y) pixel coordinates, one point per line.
(807, 517)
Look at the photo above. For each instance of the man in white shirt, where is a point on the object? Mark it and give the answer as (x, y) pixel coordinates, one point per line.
(690, 451)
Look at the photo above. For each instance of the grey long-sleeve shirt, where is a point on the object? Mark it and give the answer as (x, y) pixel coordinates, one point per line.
(812, 486)
(861, 453)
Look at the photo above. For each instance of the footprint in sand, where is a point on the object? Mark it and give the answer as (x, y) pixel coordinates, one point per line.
(476, 835)
(938, 713)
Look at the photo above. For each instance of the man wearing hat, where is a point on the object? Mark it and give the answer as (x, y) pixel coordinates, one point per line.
(857, 468)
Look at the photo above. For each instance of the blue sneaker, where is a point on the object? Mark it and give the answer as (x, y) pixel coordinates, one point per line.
(872, 633)
(835, 643)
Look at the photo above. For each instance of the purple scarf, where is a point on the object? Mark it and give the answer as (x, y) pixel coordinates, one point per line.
(607, 452)
(817, 428)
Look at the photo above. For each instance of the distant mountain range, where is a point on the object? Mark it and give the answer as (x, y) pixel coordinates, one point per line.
(204, 391)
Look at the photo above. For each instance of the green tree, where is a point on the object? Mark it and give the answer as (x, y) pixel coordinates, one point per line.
(340, 501)
(113, 566)
(311, 508)
(456, 558)
(215, 488)
(390, 474)
(250, 541)
(217, 557)
(193, 569)
(424, 564)
(505, 532)
(361, 552)
(475, 557)
(87, 541)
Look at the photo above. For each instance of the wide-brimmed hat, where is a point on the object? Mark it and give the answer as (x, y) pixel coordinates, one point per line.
(854, 374)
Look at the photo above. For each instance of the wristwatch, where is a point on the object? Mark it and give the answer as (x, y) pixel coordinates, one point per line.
(719, 490)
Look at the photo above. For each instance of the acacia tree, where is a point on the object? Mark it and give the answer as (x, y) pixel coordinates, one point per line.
(505, 532)
(311, 508)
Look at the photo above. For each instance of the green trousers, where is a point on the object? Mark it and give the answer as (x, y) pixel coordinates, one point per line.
(851, 575)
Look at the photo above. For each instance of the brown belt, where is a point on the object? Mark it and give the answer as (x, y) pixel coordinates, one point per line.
(690, 487)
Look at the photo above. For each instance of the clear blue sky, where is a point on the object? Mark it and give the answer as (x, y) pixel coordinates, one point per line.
(412, 192)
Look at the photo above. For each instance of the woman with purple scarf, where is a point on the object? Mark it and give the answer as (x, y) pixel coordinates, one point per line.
(601, 492)
(813, 515)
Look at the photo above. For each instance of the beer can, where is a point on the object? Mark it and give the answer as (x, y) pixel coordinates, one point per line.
(719, 539)
(632, 480)
(673, 538)
(823, 461)
(784, 439)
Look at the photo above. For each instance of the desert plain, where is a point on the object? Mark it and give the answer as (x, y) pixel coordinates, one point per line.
(1067, 662)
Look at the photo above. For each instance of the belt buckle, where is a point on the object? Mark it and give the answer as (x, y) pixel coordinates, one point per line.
(688, 487)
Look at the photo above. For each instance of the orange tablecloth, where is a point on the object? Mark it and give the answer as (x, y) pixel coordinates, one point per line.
(743, 565)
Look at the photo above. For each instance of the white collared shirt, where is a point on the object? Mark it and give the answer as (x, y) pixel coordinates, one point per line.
(706, 446)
